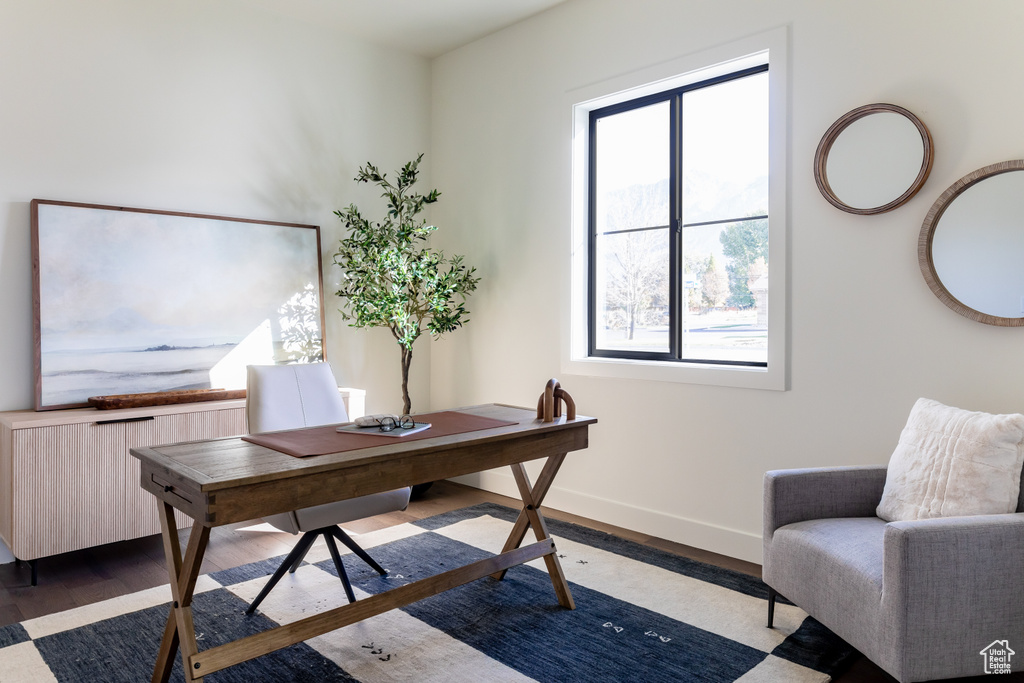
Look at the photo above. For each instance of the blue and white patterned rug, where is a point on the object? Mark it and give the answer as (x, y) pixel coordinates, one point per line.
(642, 615)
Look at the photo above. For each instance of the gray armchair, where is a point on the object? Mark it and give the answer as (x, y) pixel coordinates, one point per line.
(921, 599)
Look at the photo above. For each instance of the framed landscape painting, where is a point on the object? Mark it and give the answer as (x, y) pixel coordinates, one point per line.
(136, 301)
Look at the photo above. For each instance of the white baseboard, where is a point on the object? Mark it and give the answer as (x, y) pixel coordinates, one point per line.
(6, 556)
(717, 539)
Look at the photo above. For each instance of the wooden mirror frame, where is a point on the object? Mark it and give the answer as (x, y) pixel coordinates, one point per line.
(837, 128)
(924, 243)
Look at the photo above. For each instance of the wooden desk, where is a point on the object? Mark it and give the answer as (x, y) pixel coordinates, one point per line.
(222, 481)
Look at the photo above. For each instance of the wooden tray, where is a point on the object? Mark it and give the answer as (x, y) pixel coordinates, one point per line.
(163, 398)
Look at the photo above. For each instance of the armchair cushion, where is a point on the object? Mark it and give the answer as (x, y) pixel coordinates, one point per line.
(849, 551)
(952, 462)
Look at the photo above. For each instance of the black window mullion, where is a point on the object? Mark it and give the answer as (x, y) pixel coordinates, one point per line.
(628, 230)
(592, 240)
(722, 221)
(677, 291)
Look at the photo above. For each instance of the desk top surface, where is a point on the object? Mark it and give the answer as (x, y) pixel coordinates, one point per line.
(228, 462)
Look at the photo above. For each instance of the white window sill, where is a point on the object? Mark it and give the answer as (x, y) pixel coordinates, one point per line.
(738, 376)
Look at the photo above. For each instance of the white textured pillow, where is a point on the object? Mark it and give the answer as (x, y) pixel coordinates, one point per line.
(951, 462)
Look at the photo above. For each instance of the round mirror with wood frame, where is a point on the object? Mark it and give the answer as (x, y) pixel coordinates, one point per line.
(890, 153)
(971, 245)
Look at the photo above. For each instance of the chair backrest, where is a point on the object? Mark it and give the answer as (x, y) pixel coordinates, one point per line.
(292, 396)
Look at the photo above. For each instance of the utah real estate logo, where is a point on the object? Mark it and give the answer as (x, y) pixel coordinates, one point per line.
(997, 657)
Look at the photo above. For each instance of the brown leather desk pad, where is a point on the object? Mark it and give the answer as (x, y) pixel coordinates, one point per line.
(302, 443)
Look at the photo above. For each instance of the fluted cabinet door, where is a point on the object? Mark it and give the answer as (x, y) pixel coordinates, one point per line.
(69, 493)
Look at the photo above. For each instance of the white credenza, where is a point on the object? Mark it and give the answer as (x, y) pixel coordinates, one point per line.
(67, 480)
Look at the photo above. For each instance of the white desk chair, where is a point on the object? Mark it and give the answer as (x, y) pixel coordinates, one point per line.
(295, 396)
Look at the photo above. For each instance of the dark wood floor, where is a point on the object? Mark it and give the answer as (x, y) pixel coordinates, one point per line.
(95, 574)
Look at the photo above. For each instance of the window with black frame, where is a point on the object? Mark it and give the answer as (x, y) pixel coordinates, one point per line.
(678, 213)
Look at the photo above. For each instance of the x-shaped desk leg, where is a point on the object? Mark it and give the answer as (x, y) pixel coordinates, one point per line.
(530, 516)
(179, 630)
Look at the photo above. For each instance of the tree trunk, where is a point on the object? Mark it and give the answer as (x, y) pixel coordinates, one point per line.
(406, 362)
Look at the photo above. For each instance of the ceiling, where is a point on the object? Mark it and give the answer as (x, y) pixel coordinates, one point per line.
(423, 27)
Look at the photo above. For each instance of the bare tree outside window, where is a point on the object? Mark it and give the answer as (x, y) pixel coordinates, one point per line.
(637, 293)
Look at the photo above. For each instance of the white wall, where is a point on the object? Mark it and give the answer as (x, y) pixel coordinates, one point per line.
(207, 107)
(867, 336)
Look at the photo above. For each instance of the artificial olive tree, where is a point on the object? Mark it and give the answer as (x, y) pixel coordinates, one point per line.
(391, 277)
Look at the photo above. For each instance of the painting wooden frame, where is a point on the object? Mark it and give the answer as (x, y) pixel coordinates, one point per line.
(138, 300)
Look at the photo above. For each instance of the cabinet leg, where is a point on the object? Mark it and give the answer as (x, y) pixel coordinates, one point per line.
(32, 566)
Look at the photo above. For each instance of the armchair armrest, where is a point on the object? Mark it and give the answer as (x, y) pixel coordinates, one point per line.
(936, 549)
(952, 582)
(819, 493)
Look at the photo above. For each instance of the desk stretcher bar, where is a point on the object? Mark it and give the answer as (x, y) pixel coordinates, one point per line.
(223, 656)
